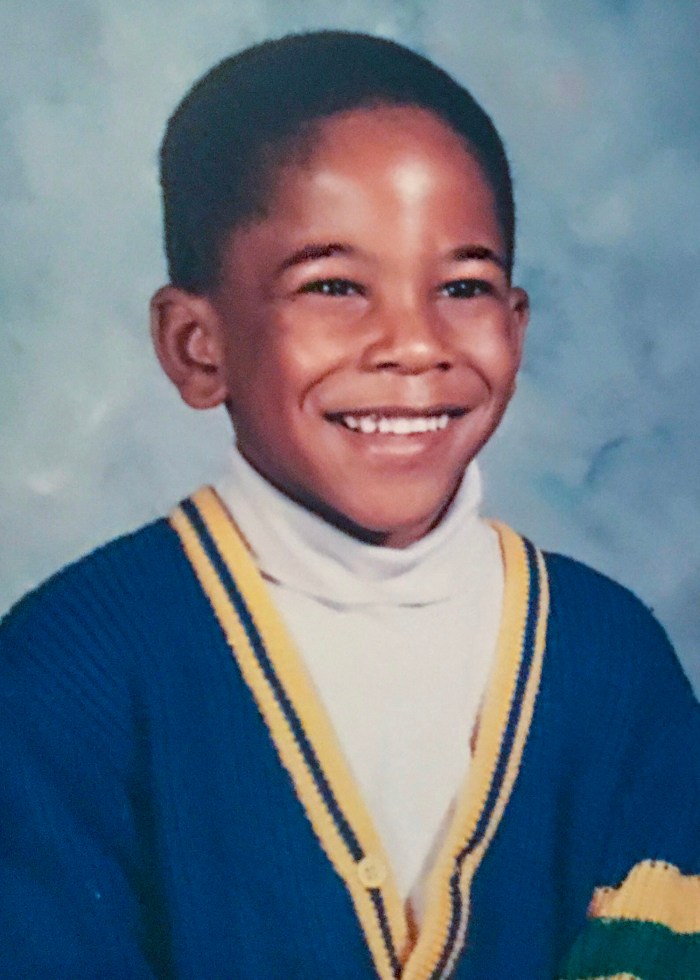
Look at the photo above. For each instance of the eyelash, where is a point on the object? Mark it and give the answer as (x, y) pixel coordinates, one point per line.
(467, 288)
(337, 288)
(334, 287)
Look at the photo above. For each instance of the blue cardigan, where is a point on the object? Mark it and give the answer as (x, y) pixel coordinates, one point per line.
(173, 802)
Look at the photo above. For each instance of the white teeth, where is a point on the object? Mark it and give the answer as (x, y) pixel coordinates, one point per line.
(398, 426)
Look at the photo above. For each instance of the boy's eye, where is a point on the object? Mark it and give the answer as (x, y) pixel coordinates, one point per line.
(467, 288)
(333, 287)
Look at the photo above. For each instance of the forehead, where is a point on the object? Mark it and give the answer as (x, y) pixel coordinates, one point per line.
(388, 157)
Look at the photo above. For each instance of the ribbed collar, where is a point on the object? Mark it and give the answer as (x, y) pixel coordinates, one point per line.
(301, 551)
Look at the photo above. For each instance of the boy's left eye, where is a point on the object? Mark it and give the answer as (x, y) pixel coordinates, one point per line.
(467, 288)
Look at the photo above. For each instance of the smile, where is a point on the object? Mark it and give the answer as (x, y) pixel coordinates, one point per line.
(396, 424)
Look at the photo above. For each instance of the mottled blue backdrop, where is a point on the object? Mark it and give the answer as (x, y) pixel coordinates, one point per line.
(599, 103)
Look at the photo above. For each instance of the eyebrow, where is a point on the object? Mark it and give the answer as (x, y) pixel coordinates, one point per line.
(478, 252)
(314, 251)
(325, 250)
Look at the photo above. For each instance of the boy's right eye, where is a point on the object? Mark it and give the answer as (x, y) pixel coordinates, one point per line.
(333, 287)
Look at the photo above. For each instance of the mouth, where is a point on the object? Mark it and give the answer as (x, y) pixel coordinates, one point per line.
(397, 421)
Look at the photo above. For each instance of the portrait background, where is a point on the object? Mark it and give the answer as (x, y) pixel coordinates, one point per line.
(599, 105)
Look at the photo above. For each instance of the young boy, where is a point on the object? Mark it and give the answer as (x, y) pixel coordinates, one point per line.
(324, 721)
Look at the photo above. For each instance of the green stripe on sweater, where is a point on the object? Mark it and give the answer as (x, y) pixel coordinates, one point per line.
(607, 947)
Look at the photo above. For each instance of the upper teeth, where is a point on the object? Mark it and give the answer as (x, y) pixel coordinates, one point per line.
(396, 425)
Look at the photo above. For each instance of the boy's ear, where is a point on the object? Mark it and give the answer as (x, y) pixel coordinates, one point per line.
(186, 335)
(520, 315)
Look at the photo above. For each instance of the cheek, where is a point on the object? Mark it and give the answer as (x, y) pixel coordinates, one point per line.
(311, 346)
(489, 350)
(260, 367)
(274, 396)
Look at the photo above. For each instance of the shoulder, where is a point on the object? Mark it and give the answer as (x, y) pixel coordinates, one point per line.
(72, 645)
(585, 598)
(606, 639)
(109, 579)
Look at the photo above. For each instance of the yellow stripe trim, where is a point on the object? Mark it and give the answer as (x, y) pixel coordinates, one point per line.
(653, 891)
(616, 976)
(494, 719)
(621, 976)
(292, 674)
(421, 962)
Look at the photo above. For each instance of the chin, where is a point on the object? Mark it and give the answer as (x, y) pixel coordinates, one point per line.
(394, 513)
(388, 524)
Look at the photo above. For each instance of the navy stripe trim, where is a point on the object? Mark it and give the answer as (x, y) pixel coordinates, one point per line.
(528, 650)
(307, 750)
(310, 757)
(380, 912)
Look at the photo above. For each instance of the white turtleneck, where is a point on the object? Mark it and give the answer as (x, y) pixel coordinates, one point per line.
(398, 643)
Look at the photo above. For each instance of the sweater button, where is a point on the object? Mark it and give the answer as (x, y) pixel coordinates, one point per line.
(371, 871)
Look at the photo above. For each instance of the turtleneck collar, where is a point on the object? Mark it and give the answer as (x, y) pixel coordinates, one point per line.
(302, 552)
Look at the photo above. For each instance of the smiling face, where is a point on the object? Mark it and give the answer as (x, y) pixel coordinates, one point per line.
(369, 336)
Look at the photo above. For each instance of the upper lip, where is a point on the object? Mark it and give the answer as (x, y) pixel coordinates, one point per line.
(398, 411)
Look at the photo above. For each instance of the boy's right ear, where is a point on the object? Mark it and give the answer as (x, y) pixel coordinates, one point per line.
(187, 339)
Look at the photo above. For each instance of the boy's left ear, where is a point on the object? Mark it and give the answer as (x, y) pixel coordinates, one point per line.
(186, 334)
(520, 314)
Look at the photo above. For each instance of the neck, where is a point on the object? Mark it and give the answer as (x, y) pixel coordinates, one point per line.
(311, 551)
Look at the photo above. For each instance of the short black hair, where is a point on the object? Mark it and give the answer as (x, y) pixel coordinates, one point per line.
(238, 124)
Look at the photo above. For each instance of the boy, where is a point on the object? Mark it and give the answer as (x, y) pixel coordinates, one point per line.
(324, 721)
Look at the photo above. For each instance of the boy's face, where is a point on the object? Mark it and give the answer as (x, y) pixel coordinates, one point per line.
(370, 337)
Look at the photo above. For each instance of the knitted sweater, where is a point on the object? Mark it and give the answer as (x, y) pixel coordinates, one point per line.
(174, 802)
(403, 719)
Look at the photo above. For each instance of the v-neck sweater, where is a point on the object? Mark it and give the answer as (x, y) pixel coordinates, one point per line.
(174, 803)
(398, 643)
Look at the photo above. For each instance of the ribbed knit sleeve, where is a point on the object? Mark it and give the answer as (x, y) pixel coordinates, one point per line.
(76, 895)
(634, 734)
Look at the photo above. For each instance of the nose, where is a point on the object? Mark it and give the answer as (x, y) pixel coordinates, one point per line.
(408, 340)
